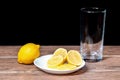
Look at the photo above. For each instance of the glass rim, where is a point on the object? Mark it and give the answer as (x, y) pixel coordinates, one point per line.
(93, 9)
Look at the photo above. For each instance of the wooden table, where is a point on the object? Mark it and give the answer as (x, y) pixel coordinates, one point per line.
(107, 69)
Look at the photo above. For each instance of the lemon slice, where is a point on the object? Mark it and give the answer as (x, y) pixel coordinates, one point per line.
(55, 61)
(66, 67)
(62, 52)
(74, 57)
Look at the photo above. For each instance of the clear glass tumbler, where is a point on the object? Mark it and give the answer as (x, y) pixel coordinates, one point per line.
(92, 28)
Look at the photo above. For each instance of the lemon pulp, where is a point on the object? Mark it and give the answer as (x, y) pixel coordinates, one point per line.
(62, 52)
(74, 57)
(66, 66)
(55, 61)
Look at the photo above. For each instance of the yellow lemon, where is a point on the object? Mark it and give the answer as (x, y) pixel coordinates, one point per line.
(66, 66)
(28, 52)
(62, 52)
(55, 61)
(74, 57)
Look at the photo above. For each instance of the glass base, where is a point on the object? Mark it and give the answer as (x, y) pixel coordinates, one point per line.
(92, 60)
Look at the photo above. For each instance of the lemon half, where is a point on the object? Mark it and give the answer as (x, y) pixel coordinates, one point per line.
(55, 61)
(62, 52)
(74, 57)
(66, 66)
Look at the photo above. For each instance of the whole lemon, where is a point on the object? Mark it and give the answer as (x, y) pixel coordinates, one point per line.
(28, 52)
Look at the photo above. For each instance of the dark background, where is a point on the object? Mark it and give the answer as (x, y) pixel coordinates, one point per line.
(52, 22)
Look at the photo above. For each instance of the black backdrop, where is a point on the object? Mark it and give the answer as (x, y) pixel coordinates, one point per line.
(52, 22)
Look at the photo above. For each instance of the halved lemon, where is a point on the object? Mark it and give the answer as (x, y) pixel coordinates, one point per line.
(55, 61)
(62, 52)
(74, 57)
(66, 66)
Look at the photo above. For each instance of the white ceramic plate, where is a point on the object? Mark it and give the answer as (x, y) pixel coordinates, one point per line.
(41, 63)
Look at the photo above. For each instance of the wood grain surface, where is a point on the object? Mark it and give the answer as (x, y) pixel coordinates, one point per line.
(107, 69)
